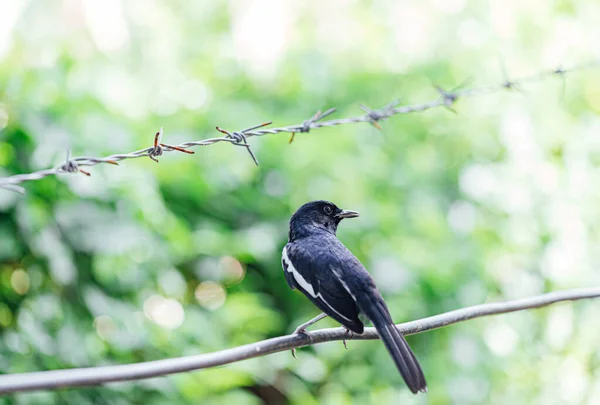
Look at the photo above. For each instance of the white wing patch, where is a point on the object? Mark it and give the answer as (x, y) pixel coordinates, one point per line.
(339, 276)
(306, 286)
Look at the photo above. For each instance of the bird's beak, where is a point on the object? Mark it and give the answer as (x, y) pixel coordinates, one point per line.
(347, 214)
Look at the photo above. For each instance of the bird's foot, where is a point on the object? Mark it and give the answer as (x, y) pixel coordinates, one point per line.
(349, 335)
(300, 330)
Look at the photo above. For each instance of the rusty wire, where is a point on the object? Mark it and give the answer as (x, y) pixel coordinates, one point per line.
(446, 99)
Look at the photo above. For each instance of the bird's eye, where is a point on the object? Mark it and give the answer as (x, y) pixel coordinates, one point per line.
(328, 210)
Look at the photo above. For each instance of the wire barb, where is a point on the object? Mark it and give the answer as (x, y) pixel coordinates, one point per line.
(559, 71)
(508, 84)
(157, 150)
(239, 137)
(374, 116)
(71, 166)
(307, 125)
(450, 97)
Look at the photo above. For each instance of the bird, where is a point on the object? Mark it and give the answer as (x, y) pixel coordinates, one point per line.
(316, 263)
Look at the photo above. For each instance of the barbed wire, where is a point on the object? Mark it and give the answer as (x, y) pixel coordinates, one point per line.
(91, 376)
(446, 99)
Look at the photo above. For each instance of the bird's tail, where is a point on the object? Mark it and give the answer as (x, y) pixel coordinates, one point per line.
(376, 310)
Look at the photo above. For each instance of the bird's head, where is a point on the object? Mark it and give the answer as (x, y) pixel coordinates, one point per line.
(317, 216)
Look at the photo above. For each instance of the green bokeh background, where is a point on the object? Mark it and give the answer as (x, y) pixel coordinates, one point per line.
(148, 261)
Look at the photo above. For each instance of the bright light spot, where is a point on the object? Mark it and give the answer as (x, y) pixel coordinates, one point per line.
(465, 351)
(565, 221)
(123, 94)
(449, 6)
(275, 184)
(333, 21)
(467, 390)
(107, 24)
(503, 19)
(19, 280)
(193, 94)
(104, 326)
(472, 33)
(62, 269)
(518, 199)
(561, 261)
(311, 369)
(547, 177)
(560, 326)
(517, 132)
(5, 315)
(260, 34)
(260, 240)
(10, 12)
(594, 395)
(461, 216)
(522, 283)
(411, 27)
(210, 295)
(566, 35)
(164, 103)
(165, 312)
(504, 267)
(478, 181)
(521, 231)
(573, 380)
(172, 283)
(233, 271)
(501, 338)
(391, 276)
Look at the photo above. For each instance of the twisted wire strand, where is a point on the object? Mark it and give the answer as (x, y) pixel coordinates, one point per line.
(446, 99)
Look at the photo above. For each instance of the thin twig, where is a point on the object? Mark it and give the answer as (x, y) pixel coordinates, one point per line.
(446, 99)
(46, 380)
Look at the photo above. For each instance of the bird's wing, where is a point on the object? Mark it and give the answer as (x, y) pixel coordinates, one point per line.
(361, 286)
(307, 268)
(289, 274)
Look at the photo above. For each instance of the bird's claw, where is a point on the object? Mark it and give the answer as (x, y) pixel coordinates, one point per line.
(349, 335)
(301, 331)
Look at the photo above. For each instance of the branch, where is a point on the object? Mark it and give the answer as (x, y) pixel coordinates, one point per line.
(446, 99)
(99, 375)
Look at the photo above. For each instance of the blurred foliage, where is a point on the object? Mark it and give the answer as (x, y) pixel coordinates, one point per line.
(148, 261)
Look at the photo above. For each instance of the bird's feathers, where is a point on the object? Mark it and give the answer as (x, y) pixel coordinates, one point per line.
(373, 306)
(305, 272)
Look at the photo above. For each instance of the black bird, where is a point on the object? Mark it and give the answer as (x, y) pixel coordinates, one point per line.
(318, 264)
